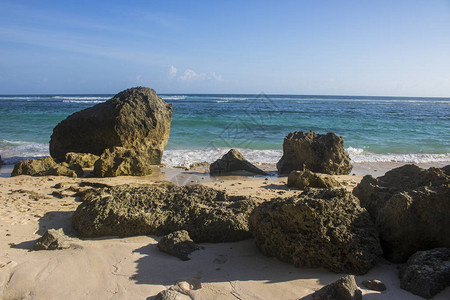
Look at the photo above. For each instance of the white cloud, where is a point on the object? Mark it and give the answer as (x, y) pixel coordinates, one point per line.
(138, 78)
(172, 71)
(190, 75)
(215, 76)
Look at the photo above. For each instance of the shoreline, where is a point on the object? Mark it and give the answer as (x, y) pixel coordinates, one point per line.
(201, 174)
(134, 268)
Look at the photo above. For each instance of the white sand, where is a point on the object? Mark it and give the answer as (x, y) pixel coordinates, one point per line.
(133, 268)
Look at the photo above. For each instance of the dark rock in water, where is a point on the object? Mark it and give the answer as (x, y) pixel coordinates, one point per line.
(374, 285)
(233, 161)
(118, 161)
(305, 179)
(411, 209)
(342, 289)
(52, 240)
(1, 161)
(178, 244)
(319, 228)
(426, 273)
(33, 167)
(207, 214)
(135, 118)
(321, 153)
(85, 160)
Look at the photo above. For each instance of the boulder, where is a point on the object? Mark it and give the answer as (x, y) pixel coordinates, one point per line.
(135, 118)
(318, 228)
(410, 207)
(426, 273)
(208, 215)
(305, 179)
(374, 285)
(178, 244)
(119, 161)
(52, 240)
(85, 160)
(344, 288)
(33, 167)
(231, 162)
(321, 153)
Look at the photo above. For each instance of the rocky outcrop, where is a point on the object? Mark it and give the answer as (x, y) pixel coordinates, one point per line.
(64, 169)
(344, 288)
(321, 153)
(208, 215)
(319, 228)
(52, 240)
(85, 160)
(305, 179)
(231, 162)
(178, 244)
(119, 161)
(410, 207)
(135, 118)
(426, 273)
(33, 167)
(46, 167)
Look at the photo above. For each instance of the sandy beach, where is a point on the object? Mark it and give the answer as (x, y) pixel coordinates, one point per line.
(134, 268)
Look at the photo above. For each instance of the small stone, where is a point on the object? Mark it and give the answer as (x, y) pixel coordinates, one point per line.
(171, 294)
(178, 244)
(59, 185)
(342, 289)
(52, 240)
(374, 285)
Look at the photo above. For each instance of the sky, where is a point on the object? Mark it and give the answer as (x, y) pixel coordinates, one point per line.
(379, 48)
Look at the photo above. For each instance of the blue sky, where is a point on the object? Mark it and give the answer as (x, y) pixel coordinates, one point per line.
(398, 48)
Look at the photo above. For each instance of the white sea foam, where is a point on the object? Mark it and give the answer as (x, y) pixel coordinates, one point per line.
(184, 158)
(173, 97)
(83, 101)
(359, 155)
(15, 151)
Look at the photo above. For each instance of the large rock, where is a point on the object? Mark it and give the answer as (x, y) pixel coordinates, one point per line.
(411, 209)
(135, 118)
(33, 167)
(344, 288)
(305, 179)
(231, 162)
(321, 153)
(426, 273)
(178, 244)
(85, 160)
(207, 214)
(319, 228)
(119, 161)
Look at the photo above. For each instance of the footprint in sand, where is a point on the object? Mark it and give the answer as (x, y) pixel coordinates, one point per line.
(220, 259)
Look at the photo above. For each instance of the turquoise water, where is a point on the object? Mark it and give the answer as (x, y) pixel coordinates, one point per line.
(204, 126)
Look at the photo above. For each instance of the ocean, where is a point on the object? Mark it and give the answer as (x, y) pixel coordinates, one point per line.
(204, 127)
